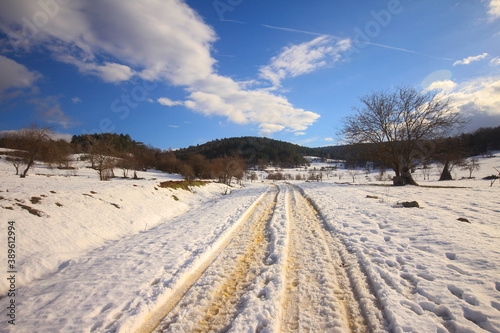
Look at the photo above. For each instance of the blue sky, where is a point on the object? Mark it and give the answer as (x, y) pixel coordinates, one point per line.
(173, 73)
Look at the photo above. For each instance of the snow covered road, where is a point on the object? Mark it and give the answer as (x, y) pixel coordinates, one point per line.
(283, 271)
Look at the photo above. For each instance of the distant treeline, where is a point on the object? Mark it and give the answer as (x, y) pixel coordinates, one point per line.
(482, 141)
(220, 158)
(479, 142)
(254, 151)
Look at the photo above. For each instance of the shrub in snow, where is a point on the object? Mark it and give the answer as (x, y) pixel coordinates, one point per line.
(410, 204)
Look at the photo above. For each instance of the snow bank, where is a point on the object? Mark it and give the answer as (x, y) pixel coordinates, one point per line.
(71, 215)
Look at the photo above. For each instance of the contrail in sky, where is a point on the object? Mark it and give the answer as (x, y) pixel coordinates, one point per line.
(407, 51)
(295, 30)
(368, 43)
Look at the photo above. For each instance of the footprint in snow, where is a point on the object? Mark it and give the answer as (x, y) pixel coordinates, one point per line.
(459, 270)
(63, 265)
(106, 307)
(471, 299)
(412, 306)
(96, 326)
(451, 256)
(155, 282)
(480, 319)
(426, 276)
(496, 305)
(497, 286)
(455, 291)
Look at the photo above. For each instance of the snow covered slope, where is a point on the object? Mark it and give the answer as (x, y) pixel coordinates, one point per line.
(73, 212)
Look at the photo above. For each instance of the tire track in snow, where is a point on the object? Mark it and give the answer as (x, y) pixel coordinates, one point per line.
(215, 299)
(280, 270)
(325, 290)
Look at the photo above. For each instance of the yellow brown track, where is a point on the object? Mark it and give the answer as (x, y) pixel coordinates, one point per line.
(318, 295)
(222, 303)
(155, 318)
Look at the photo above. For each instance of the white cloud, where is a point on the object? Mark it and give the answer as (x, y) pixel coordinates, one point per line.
(15, 75)
(218, 95)
(112, 72)
(495, 61)
(158, 39)
(173, 126)
(108, 72)
(299, 133)
(445, 85)
(76, 100)
(494, 9)
(477, 99)
(163, 41)
(479, 95)
(304, 58)
(168, 102)
(468, 60)
(329, 139)
(267, 129)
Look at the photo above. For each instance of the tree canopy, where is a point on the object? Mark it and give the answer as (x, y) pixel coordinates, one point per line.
(400, 125)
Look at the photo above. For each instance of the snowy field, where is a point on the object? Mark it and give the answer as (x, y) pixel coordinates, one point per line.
(431, 272)
(126, 256)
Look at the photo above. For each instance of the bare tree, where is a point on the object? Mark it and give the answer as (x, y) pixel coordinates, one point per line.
(127, 163)
(426, 170)
(472, 165)
(16, 162)
(32, 140)
(101, 152)
(353, 173)
(227, 167)
(394, 128)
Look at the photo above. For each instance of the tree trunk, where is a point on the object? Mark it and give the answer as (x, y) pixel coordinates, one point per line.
(405, 178)
(17, 168)
(446, 173)
(30, 163)
(408, 178)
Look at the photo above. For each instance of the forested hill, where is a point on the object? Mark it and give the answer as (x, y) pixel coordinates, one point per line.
(254, 150)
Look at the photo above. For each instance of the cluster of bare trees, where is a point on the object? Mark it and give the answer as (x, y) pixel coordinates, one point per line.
(225, 169)
(32, 144)
(402, 129)
(37, 144)
(101, 156)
